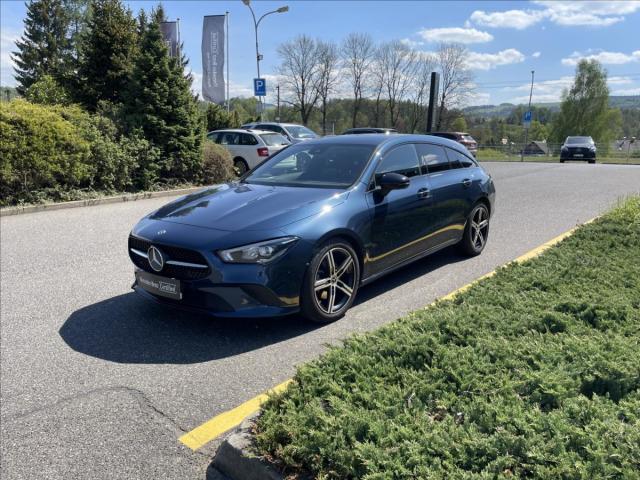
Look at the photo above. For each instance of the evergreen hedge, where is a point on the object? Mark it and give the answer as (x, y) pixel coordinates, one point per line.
(533, 373)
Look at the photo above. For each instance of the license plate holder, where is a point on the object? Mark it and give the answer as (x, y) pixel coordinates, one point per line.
(161, 286)
(578, 155)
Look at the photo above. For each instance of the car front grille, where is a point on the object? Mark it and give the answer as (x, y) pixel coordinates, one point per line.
(175, 259)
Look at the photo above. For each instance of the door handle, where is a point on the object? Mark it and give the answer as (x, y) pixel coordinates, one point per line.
(424, 193)
(466, 182)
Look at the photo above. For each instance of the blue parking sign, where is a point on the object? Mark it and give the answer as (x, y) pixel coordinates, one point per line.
(259, 87)
(526, 119)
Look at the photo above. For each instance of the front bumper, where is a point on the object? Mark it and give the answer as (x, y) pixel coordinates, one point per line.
(578, 154)
(241, 301)
(223, 289)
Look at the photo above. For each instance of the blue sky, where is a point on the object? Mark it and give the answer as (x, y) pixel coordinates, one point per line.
(506, 40)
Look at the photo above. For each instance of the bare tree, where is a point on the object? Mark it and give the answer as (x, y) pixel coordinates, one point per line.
(357, 54)
(456, 79)
(419, 91)
(376, 85)
(397, 63)
(299, 69)
(328, 75)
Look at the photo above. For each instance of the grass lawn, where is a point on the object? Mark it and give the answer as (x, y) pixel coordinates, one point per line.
(532, 373)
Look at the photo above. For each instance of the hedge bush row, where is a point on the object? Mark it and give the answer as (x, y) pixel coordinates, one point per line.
(533, 373)
(62, 152)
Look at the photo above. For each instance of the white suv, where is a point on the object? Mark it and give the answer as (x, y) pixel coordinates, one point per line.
(248, 147)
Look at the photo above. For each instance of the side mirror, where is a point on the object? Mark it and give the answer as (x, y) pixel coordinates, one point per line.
(391, 181)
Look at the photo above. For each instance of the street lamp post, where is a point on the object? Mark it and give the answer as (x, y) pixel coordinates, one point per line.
(256, 24)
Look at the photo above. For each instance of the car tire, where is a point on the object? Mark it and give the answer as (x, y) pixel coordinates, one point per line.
(331, 282)
(561, 160)
(592, 161)
(476, 231)
(241, 166)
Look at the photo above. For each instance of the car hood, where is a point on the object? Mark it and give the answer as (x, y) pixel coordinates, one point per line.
(240, 206)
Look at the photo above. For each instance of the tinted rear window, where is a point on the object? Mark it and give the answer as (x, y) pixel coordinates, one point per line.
(274, 139)
(576, 140)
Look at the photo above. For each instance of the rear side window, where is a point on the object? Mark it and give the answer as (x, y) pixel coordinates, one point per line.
(432, 158)
(402, 160)
(214, 137)
(248, 139)
(459, 159)
(273, 139)
(228, 138)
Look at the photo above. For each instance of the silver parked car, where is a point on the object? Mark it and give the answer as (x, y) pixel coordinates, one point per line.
(248, 147)
(294, 133)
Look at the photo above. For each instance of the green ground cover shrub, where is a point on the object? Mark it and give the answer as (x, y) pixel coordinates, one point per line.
(39, 150)
(533, 373)
(217, 164)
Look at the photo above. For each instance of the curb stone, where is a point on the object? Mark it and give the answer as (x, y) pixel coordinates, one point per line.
(234, 460)
(130, 197)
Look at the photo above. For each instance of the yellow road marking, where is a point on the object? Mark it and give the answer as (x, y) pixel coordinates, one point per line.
(200, 436)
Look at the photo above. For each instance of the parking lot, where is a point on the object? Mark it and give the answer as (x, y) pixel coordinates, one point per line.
(97, 382)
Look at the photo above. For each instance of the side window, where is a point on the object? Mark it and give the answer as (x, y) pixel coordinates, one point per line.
(269, 128)
(248, 139)
(402, 160)
(432, 158)
(214, 137)
(458, 159)
(229, 138)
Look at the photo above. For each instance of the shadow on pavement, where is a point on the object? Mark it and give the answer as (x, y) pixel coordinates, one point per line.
(131, 329)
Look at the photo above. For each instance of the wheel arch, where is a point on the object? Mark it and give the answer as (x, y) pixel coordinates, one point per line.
(345, 235)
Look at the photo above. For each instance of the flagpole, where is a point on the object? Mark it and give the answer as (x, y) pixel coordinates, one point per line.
(178, 45)
(226, 14)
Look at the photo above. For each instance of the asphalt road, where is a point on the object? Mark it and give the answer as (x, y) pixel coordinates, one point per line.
(98, 383)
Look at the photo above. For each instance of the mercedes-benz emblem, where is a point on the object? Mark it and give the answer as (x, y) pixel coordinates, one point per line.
(156, 260)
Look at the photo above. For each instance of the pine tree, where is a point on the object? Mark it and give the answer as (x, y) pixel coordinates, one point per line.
(107, 52)
(44, 45)
(159, 103)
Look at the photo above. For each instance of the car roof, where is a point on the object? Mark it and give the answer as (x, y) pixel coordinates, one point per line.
(243, 130)
(383, 140)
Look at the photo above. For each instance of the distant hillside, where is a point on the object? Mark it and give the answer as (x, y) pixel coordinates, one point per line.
(504, 109)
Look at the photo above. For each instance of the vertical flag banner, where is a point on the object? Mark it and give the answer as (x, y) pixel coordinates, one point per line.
(213, 81)
(170, 36)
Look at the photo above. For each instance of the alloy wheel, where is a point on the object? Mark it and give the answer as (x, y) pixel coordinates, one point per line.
(334, 281)
(479, 228)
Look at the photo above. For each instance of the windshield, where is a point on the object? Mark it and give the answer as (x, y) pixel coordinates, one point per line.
(323, 166)
(576, 140)
(274, 139)
(298, 131)
(468, 138)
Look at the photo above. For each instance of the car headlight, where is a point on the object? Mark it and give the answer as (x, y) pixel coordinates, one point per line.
(592, 147)
(261, 252)
(564, 148)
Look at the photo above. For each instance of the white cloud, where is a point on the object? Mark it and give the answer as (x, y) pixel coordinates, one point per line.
(627, 91)
(488, 61)
(588, 13)
(518, 19)
(536, 54)
(7, 45)
(551, 90)
(455, 34)
(478, 98)
(411, 43)
(604, 57)
(565, 13)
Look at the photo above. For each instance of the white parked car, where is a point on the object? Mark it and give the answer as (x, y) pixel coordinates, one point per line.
(248, 147)
(294, 133)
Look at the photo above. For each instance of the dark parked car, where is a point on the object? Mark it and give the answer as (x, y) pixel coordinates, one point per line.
(359, 130)
(578, 148)
(304, 229)
(463, 138)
